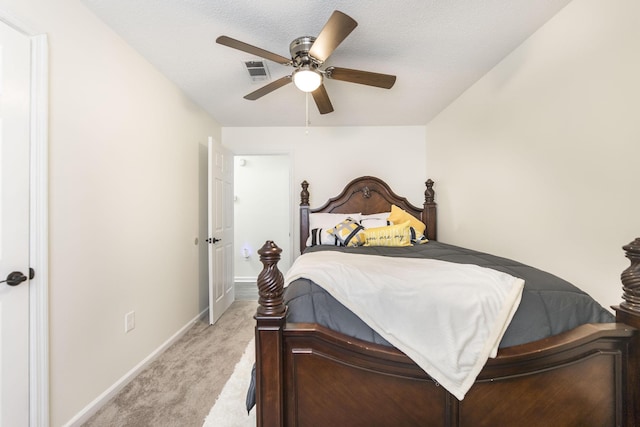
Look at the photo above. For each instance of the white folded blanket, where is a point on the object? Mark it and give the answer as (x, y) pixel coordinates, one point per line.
(448, 318)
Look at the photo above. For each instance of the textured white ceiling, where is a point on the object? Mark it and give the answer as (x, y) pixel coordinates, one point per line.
(436, 48)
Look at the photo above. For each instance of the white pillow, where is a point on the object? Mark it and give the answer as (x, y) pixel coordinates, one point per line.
(320, 222)
(375, 220)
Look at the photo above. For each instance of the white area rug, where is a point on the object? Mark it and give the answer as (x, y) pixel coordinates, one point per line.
(229, 409)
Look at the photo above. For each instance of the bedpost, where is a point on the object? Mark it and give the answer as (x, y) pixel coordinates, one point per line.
(304, 215)
(631, 278)
(270, 320)
(429, 211)
(628, 312)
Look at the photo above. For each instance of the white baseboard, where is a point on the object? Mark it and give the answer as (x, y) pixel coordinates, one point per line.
(93, 407)
(246, 288)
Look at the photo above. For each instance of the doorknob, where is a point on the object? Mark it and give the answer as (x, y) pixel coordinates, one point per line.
(213, 240)
(14, 278)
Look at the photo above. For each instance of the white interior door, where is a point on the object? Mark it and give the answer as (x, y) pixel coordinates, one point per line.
(220, 239)
(14, 226)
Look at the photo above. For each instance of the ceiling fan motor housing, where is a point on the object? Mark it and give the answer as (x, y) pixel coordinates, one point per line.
(299, 49)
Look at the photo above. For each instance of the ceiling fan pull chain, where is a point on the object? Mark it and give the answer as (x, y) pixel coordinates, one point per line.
(306, 120)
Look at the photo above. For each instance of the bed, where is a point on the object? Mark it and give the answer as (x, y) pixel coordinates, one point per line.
(313, 374)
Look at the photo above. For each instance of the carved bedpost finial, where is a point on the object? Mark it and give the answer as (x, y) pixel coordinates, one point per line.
(304, 194)
(270, 281)
(631, 277)
(429, 194)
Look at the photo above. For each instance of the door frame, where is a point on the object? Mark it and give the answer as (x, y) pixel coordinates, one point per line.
(292, 211)
(294, 196)
(38, 223)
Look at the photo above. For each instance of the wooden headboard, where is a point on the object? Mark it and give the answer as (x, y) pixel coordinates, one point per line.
(368, 195)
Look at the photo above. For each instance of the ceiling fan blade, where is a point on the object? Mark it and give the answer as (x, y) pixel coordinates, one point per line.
(337, 28)
(385, 81)
(237, 44)
(264, 90)
(323, 102)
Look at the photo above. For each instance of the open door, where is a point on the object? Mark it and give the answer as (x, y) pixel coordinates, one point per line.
(220, 239)
(15, 53)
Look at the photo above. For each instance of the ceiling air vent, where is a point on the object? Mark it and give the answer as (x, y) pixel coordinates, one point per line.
(257, 70)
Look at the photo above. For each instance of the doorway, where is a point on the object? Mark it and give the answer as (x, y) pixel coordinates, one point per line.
(262, 211)
(27, 395)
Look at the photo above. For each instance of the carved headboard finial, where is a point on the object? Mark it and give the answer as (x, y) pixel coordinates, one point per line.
(429, 194)
(304, 194)
(631, 277)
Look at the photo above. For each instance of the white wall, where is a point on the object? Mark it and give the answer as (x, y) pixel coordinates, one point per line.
(329, 157)
(538, 161)
(125, 167)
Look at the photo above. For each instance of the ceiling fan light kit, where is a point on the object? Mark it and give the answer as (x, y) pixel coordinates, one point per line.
(307, 79)
(308, 54)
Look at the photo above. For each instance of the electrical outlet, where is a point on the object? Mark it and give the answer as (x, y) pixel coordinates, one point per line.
(129, 321)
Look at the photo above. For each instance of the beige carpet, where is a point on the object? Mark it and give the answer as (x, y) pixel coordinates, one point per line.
(180, 387)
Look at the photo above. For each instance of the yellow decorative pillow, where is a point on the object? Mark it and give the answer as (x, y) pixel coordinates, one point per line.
(348, 232)
(399, 216)
(391, 235)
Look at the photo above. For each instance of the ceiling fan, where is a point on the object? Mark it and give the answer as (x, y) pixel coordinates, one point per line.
(308, 54)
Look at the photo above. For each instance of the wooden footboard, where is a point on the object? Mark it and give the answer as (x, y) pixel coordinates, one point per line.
(308, 375)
